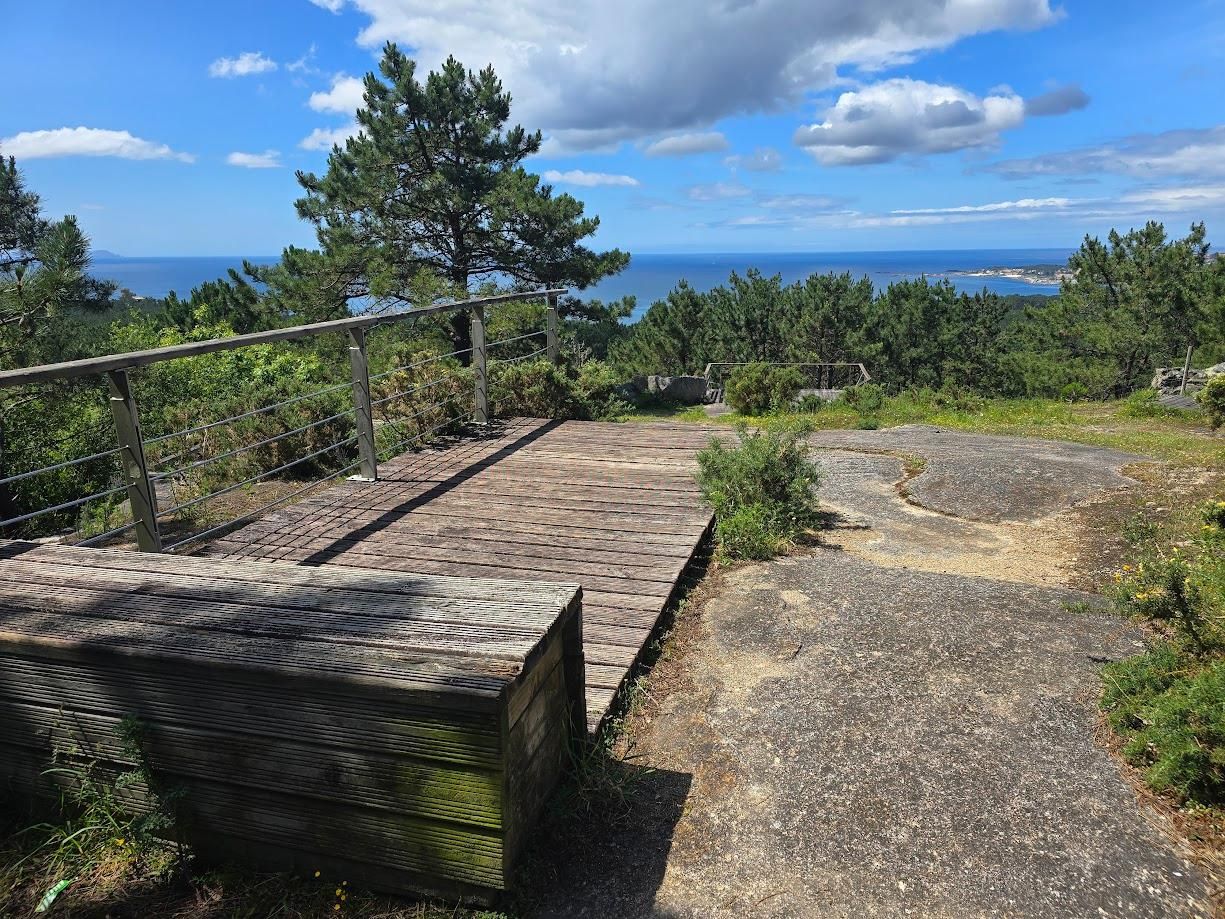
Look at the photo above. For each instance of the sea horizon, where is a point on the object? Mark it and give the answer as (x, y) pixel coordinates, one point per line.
(651, 275)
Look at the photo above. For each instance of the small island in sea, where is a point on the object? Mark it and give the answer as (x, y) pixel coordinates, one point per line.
(1030, 274)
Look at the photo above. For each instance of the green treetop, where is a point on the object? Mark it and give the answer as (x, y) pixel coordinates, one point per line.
(433, 184)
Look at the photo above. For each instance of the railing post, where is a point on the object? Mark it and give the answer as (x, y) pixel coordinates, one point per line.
(135, 466)
(362, 411)
(478, 365)
(553, 348)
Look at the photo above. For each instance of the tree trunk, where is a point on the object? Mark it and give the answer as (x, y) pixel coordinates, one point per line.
(461, 322)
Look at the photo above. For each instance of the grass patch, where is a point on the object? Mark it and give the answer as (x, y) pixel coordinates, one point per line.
(1181, 438)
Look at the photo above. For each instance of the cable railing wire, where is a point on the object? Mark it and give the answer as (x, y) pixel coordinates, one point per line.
(178, 508)
(251, 414)
(421, 363)
(157, 477)
(67, 505)
(109, 534)
(63, 465)
(524, 357)
(419, 435)
(507, 341)
(196, 537)
(411, 389)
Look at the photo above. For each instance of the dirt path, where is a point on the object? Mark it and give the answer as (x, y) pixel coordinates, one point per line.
(901, 723)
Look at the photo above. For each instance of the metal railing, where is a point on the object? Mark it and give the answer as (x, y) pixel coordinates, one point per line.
(139, 481)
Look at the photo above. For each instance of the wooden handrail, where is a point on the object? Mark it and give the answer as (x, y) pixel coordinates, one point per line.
(90, 366)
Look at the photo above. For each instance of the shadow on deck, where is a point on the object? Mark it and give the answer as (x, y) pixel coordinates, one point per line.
(613, 507)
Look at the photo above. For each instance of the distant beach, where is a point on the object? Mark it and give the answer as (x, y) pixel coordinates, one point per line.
(651, 276)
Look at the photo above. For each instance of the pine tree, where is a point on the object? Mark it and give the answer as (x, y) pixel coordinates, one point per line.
(434, 184)
(43, 271)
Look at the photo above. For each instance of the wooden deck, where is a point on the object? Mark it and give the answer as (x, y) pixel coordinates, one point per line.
(402, 730)
(612, 507)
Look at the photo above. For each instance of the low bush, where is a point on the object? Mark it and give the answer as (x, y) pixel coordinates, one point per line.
(1166, 704)
(1173, 720)
(763, 491)
(867, 399)
(810, 404)
(759, 389)
(539, 389)
(1212, 398)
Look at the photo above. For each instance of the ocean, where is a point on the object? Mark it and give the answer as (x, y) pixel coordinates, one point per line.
(650, 277)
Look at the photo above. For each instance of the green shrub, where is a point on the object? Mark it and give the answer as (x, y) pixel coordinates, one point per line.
(1143, 404)
(1074, 392)
(1167, 704)
(759, 389)
(533, 389)
(762, 491)
(810, 404)
(1173, 722)
(867, 399)
(1212, 398)
(748, 534)
(599, 388)
(538, 389)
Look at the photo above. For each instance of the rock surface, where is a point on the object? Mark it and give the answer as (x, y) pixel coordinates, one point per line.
(901, 723)
(681, 390)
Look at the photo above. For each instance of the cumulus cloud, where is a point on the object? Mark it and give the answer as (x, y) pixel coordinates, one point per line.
(717, 191)
(763, 159)
(1059, 101)
(592, 72)
(344, 98)
(1193, 152)
(246, 64)
(33, 145)
(686, 144)
(588, 179)
(332, 6)
(887, 120)
(269, 159)
(326, 138)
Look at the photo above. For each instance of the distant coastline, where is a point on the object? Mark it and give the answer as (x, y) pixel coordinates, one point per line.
(1029, 274)
(651, 276)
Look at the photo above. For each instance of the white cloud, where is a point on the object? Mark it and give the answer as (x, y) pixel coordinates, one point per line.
(1193, 153)
(326, 138)
(344, 98)
(887, 120)
(1024, 204)
(332, 6)
(717, 191)
(1133, 208)
(304, 64)
(588, 179)
(246, 64)
(269, 159)
(687, 144)
(763, 159)
(592, 72)
(33, 145)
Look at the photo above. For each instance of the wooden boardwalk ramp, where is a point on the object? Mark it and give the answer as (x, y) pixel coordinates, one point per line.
(612, 507)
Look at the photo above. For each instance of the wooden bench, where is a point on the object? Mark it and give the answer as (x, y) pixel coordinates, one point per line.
(399, 731)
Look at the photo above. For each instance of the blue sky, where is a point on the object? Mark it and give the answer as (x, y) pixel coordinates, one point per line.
(695, 125)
